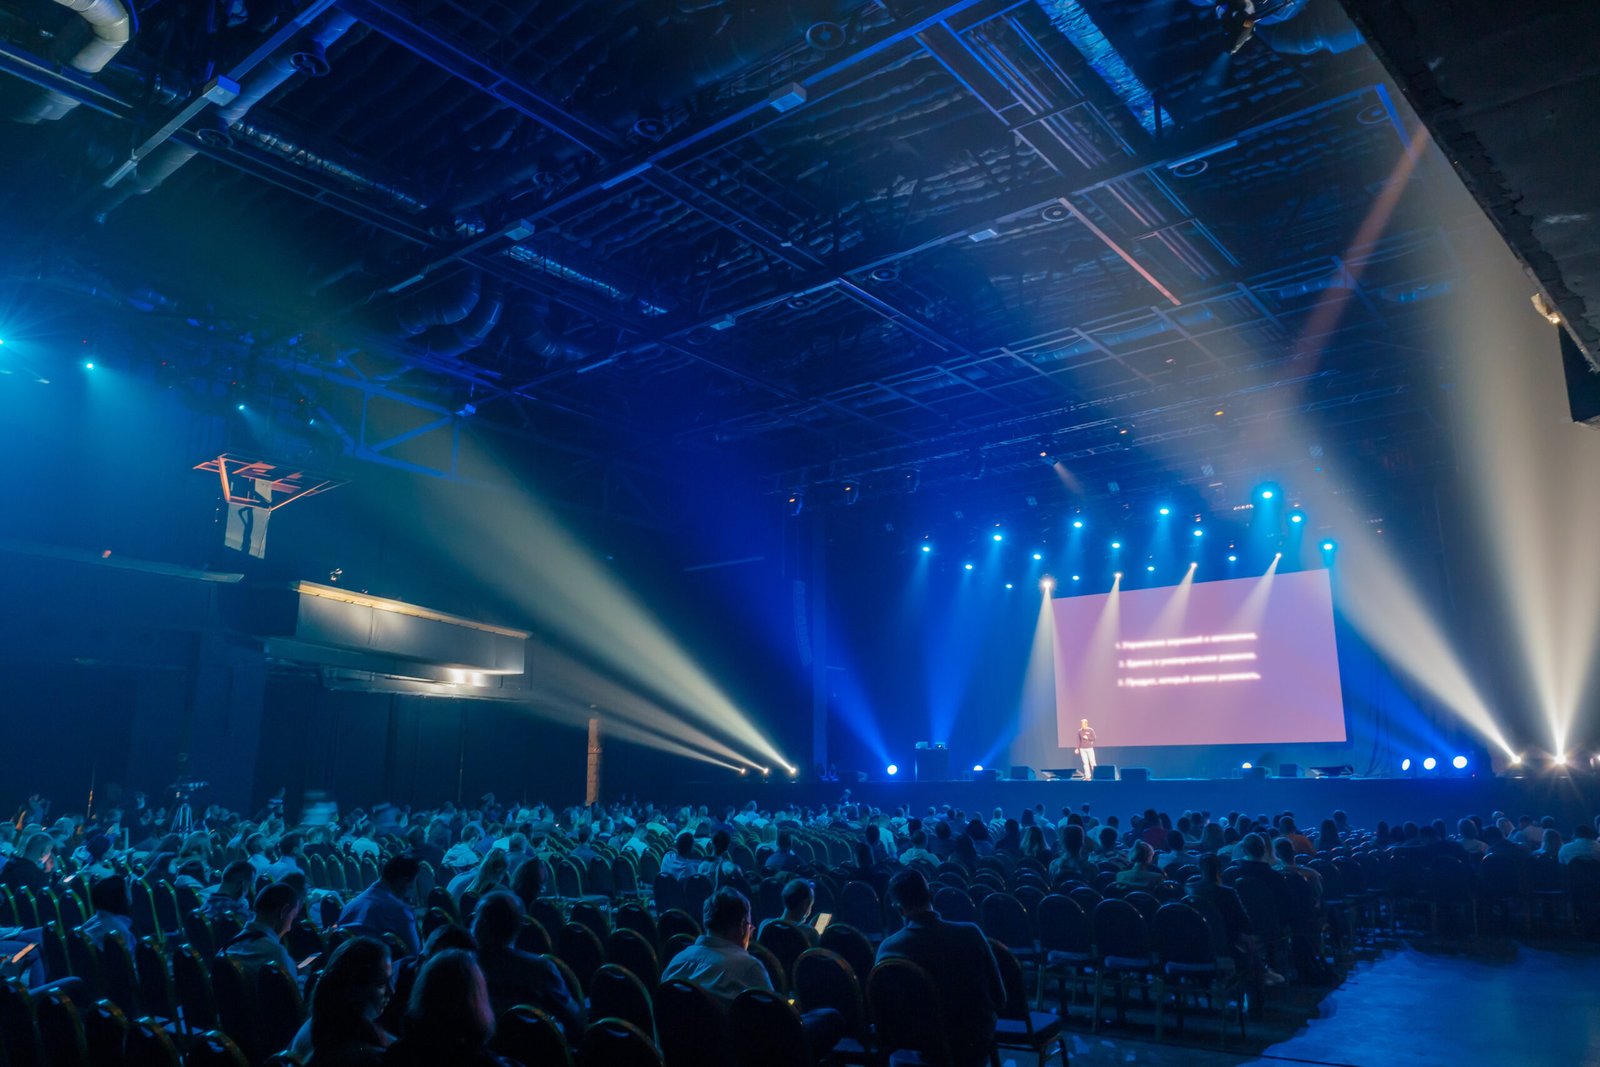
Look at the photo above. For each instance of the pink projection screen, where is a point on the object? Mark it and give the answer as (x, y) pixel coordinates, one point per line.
(1245, 661)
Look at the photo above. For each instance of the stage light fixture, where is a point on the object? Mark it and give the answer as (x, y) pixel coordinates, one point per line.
(1266, 494)
(88, 366)
(892, 770)
(766, 771)
(1116, 544)
(1233, 559)
(1429, 764)
(1077, 578)
(1328, 546)
(1516, 761)
(1008, 585)
(927, 548)
(241, 407)
(1037, 556)
(1151, 568)
(1459, 763)
(1163, 511)
(743, 771)
(966, 566)
(1077, 524)
(1405, 764)
(1561, 759)
(977, 768)
(1246, 765)
(794, 772)
(1199, 532)
(999, 537)
(1118, 574)
(1297, 518)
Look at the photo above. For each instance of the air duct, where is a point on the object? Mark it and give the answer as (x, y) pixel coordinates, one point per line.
(442, 305)
(110, 25)
(475, 328)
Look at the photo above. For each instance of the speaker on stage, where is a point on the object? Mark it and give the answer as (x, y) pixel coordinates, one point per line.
(932, 762)
(1136, 774)
(1023, 774)
(1105, 772)
(1257, 773)
(1288, 770)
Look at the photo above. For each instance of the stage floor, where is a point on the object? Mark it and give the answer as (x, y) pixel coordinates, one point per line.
(1365, 800)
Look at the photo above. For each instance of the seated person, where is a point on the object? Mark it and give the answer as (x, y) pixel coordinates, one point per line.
(384, 907)
(1582, 846)
(448, 1020)
(957, 958)
(112, 912)
(1143, 873)
(681, 863)
(785, 858)
(517, 977)
(352, 992)
(231, 898)
(798, 899)
(32, 866)
(261, 941)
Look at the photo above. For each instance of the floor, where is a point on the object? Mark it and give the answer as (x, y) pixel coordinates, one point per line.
(1428, 1005)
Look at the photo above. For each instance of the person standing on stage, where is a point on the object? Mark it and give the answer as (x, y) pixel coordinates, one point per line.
(1085, 749)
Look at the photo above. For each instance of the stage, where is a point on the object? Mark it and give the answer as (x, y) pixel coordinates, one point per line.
(1569, 799)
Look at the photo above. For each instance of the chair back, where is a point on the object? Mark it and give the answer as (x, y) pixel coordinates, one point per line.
(632, 915)
(630, 949)
(767, 1031)
(1260, 900)
(105, 1030)
(822, 979)
(774, 966)
(533, 937)
(529, 1036)
(156, 996)
(587, 913)
(693, 1029)
(84, 959)
(197, 928)
(581, 950)
(677, 921)
(785, 941)
(668, 893)
(56, 962)
(1182, 937)
(1029, 894)
(858, 906)
(954, 905)
(599, 879)
(192, 980)
(696, 891)
(850, 943)
(439, 898)
(903, 999)
(569, 879)
(61, 1031)
(624, 877)
(1087, 897)
(1003, 919)
(617, 1043)
(214, 1049)
(1147, 903)
(547, 913)
(117, 979)
(149, 1046)
(1016, 987)
(166, 904)
(615, 991)
(1119, 932)
(1583, 884)
(236, 1007)
(279, 1009)
(1063, 927)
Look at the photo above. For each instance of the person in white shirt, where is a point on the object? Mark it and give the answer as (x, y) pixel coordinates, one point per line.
(1582, 846)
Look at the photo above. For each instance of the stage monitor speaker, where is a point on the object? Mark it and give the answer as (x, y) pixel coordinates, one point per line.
(1288, 770)
(1583, 384)
(1106, 772)
(1342, 770)
(1258, 773)
(988, 774)
(1023, 774)
(932, 762)
(1136, 774)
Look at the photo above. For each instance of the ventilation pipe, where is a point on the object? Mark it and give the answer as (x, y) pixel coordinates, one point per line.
(308, 54)
(442, 305)
(475, 328)
(110, 25)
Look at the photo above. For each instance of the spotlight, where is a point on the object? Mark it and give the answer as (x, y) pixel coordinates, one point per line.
(1151, 568)
(1037, 557)
(1199, 532)
(794, 772)
(1246, 765)
(797, 503)
(1405, 764)
(977, 768)
(1429, 764)
(1267, 494)
(1164, 511)
(1516, 761)
(1077, 578)
(765, 771)
(1297, 518)
(1328, 546)
(1077, 524)
(999, 537)
(892, 770)
(1008, 585)
(1561, 759)
(88, 366)
(1047, 583)
(966, 566)
(1233, 559)
(1116, 544)
(742, 772)
(241, 407)
(927, 548)
(1459, 763)
(1118, 574)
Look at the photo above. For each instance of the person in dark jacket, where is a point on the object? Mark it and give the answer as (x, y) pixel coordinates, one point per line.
(517, 977)
(449, 1019)
(958, 959)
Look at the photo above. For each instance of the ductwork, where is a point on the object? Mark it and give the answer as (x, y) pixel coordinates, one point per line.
(442, 305)
(308, 54)
(473, 330)
(111, 25)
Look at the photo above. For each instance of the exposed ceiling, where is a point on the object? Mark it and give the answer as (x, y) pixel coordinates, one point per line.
(852, 242)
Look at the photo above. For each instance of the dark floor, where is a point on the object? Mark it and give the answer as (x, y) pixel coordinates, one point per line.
(1493, 1001)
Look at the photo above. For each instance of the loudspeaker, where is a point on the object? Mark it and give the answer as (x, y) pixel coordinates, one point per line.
(1105, 772)
(1583, 384)
(1258, 773)
(1023, 774)
(1288, 770)
(988, 774)
(1136, 774)
(932, 762)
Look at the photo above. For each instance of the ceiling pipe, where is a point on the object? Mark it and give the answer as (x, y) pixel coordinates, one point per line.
(111, 25)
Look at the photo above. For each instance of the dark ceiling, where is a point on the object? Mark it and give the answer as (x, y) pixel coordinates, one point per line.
(884, 245)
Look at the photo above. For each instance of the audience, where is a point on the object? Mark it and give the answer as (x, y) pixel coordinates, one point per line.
(261, 942)
(517, 977)
(351, 994)
(385, 906)
(449, 1019)
(719, 961)
(799, 896)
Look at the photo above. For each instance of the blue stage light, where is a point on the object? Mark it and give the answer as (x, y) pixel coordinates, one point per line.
(977, 768)
(1297, 517)
(1037, 556)
(1328, 546)
(1233, 559)
(1199, 532)
(999, 537)
(1077, 524)
(1267, 494)
(1008, 585)
(1459, 763)
(927, 548)
(1116, 544)
(1429, 764)
(1117, 575)
(892, 769)
(1405, 764)
(1246, 765)
(1163, 511)
(1077, 578)
(88, 366)
(241, 407)
(966, 566)
(1152, 567)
